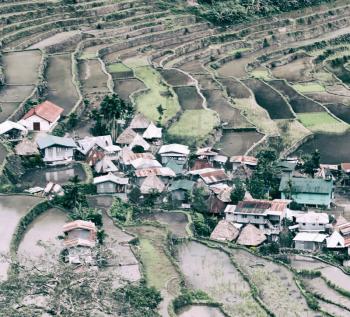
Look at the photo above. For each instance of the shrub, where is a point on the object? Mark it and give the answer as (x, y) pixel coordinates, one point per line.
(189, 297)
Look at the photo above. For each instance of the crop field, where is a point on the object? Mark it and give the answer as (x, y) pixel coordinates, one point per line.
(92, 78)
(126, 87)
(310, 87)
(321, 122)
(340, 110)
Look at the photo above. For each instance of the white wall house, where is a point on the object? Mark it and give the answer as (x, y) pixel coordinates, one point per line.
(56, 150)
(312, 221)
(175, 152)
(42, 117)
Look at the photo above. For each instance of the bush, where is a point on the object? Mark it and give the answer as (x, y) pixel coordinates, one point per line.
(121, 211)
(270, 248)
(188, 298)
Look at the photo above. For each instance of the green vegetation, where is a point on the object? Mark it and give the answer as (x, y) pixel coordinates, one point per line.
(158, 93)
(194, 126)
(238, 192)
(190, 297)
(309, 87)
(117, 68)
(87, 56)
(137, 301)
(261, 74)
(322, 122)
(227, 12)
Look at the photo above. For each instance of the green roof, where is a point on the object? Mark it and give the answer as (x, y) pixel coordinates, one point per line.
(176, 167)
(181, 184)
(306, 185)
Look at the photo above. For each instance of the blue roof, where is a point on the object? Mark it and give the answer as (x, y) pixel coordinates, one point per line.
(306, 185)
(51, 140)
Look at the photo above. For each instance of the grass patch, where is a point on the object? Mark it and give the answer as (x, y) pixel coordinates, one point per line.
(322, 122)
(158, 93)
(257, 115)
(194, 125)
(117, 68)
(309, 87)
(157, 266)
(136, 61)
(88, 56)
(261, 74)
(291, 131)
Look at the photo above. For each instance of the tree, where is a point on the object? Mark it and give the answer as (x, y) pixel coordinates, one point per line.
(311, 163)
(238, 192)
(134, 195)
(198, 200)
(151, 198)
(160, 110)
(88, 214)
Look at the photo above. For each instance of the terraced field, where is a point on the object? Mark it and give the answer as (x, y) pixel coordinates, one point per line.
(227, 79)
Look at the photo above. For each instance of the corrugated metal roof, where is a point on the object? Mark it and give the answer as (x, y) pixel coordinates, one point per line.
(157, 171)
(214, 176)
(174, 148)
(306, 185)
(310, 237)
(46, 110)
(50, 140)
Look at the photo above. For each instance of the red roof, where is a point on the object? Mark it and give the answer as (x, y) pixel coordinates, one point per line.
(46, 110)
(201, 164)
(345, 167)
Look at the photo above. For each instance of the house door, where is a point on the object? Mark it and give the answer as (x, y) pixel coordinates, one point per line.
(36, 126)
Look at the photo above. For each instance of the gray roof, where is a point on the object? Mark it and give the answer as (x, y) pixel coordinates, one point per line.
(51, 140)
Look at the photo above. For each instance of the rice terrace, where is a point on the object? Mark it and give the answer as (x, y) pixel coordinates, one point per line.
(122, 85)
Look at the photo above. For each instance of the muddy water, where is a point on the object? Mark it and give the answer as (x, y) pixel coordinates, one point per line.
(46, 228)
(21, 68)
(12, 209)
(212, 271)
(59, 175)
(200, 311)
(59, 79)
(332, 273)
(238, 143)
(331, 147)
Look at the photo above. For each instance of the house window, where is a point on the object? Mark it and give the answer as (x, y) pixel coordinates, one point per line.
(256, 217)
(304, 224)
(61, 150)
(244, 216)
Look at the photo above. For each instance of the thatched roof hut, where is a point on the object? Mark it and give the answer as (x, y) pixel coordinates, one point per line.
(251, 236)
(224, 231)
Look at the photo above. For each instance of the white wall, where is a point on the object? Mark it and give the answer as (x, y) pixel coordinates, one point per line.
(54, 153)
(28, 123)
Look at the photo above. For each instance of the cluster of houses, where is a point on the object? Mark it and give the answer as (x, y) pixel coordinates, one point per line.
(138, 158)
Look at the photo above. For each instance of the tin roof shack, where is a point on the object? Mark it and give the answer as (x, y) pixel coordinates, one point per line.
(220, 198)
(12, 131)
(176, 152)
(101, 144)
(264, 214)
(152, 184)
(164, 173)
(79, 239)
(126, 156)
(42, 117)
(56, 150)
(313, 222)
(111, 184)
(243, 160)
(180, 190)
(309, 241)
(315, 192)
(214, 176)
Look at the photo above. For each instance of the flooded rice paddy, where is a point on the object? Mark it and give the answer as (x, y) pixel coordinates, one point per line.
(92, 77)
(331, 146)
(238, 143)
(59, 175)
(340, 110)
(125, 87)
(44, 230)
(200, 311)
(12, 209)
(174, 77)
(269, 99)
(59, 80)
(189, 97)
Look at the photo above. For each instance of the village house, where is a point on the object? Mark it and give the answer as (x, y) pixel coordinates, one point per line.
(139, 123)
(12, 131)
(153, 134)
(251, 236)
(307, 191)
(219, 199)
(126, 137)
(126, 156)
(313, 222)
(176, 166)
(225, 231)
(79, 238)
(180, 190)
(56, 150)
(110, 183)
(102, 144)
(27, 147)
(105, 165)
(239, 160)
(141, 163)
(220, 161)
(176, 152)
(151, 184)
(213, 176)
(42, 117)
(309, 241)
(340, 238)
(206, 153)
(264, 214)
(164, 173)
